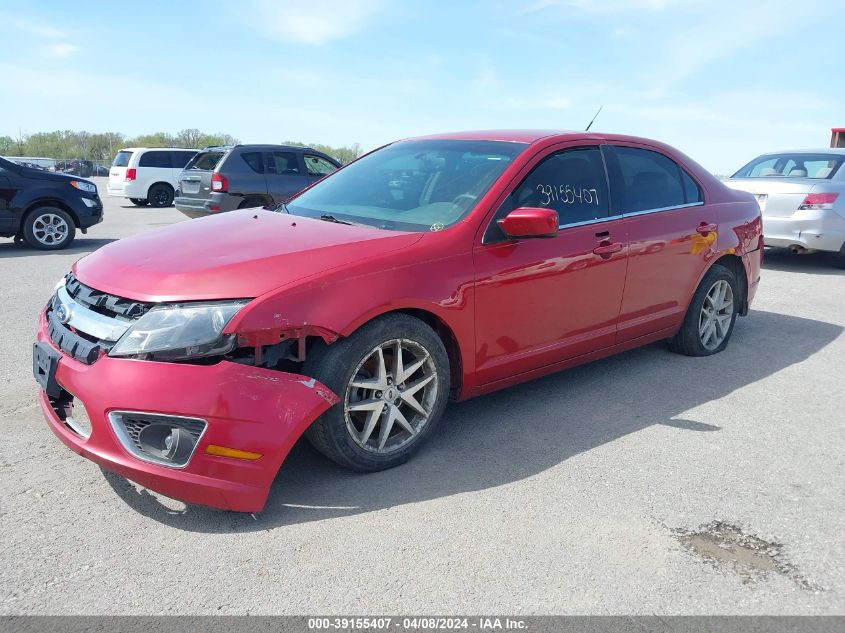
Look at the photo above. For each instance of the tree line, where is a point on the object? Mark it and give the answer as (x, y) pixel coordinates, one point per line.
(102, 146)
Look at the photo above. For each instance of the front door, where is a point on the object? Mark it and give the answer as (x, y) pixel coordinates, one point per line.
(543, 300)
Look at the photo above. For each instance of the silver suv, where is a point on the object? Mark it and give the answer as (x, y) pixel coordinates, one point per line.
(231, 177)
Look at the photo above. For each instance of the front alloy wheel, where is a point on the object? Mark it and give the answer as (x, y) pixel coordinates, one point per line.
(392, 378)
(49, 229)
(391, 395)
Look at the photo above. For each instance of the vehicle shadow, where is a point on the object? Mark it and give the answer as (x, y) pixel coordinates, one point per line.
(9, 249)
(812, 264)
(518, 432)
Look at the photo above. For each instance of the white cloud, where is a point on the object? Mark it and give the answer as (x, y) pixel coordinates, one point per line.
(13, 23)
(60, 51)
(317, 23)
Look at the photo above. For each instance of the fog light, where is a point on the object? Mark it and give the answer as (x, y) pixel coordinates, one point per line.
(167, 442)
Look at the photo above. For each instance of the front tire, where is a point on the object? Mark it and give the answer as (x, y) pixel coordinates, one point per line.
(160, 196)
(138, 202)
(392, 378)
(49, 229)
(710, 319)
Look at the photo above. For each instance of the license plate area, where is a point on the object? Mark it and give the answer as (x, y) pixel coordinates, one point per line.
(45, 361)
(190, 186)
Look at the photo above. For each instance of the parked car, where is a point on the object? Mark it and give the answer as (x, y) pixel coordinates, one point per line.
(802, 197)
(44, 208)
(84, 168)
(239, 176)
(148, 175)
(443, 266)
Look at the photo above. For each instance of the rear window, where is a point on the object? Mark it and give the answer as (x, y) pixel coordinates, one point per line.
(122, 159)
(818, 166)
(155, 159)
(205, 161)
(179, 159)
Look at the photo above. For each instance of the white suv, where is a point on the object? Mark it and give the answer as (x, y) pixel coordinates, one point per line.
(148, 175)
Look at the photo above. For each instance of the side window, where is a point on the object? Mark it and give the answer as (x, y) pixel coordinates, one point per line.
(318, 166)
(179, 159)
(651, 180)
(155, 159)
(253, 159)
(572, 182)
(284, 164)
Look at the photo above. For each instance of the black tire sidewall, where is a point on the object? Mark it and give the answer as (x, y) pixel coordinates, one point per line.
(151, 195)
(333, 366)
(29, 228)
(689, 330)
(138, 202)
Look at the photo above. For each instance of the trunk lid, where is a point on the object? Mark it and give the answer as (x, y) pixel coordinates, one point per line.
(777, 197)
(195, 179)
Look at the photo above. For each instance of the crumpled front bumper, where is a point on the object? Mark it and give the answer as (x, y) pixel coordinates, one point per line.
(246, 408)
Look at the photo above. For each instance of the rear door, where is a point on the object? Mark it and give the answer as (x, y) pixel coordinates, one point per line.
(195, 179)
(117, 173)
(664, 211)
(8, 190)
(285, 174)
(154, 166)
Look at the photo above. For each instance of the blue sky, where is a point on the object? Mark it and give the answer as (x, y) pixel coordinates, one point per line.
(723, 81)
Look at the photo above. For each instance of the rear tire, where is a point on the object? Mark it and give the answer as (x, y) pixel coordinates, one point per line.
(377, 426)
(839, 258)
(49, 228)
(710, 319)
(160, 196)
(138, 202)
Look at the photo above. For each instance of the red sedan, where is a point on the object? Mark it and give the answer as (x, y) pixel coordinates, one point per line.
(190, 359)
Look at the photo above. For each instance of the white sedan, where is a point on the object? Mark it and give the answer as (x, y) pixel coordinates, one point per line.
(802, 197)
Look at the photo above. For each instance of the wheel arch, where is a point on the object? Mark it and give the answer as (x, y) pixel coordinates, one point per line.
(160, 182)
(735, 264)
(48, 202)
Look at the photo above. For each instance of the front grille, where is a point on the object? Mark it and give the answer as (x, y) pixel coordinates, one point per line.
(106, 314)
(104, 303)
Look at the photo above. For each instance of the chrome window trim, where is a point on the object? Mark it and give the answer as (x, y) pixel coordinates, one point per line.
(588, 222)
(648, 211)
(127, 443)
(89, 322)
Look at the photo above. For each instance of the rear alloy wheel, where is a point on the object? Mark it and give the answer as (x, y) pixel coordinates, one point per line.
(138, 202)
(160, 196)
(392, 378)
(49, 229)
(709, 322)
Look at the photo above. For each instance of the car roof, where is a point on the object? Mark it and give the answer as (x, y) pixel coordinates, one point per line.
(824, 150)
(259, 146)
(532, 136)
(169, 149)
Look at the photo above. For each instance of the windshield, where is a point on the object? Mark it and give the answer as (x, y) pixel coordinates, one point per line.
(819, 166)
(410, 186)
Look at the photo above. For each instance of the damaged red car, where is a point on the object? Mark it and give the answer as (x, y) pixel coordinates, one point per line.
(190, 359)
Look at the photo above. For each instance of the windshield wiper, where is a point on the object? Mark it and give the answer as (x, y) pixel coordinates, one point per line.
(330, 218)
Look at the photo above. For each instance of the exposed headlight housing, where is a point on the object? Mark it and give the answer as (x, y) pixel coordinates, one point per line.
(180, 331)
(82, 185)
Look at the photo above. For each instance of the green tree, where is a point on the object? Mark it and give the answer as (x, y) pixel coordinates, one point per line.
(344, 155)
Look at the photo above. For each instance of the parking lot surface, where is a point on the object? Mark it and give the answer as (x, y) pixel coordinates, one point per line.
(646, 483)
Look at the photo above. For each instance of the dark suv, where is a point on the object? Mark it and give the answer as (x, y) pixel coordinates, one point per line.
(45, 208)
(240, 176)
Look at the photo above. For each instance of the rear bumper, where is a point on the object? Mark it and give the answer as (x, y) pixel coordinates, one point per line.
(246, 408)
(201, 207)
(132, 189)
(813, 229)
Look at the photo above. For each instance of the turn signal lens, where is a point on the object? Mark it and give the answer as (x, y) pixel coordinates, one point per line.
(819, 201)
(223, 451)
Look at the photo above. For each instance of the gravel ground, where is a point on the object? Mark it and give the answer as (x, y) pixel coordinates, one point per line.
(647, 483)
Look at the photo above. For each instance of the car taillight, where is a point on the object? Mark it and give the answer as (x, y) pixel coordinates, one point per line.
(131, 174)
(219, 183)
(819, 201)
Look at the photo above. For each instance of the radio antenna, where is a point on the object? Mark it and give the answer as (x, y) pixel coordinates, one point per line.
(593, 119)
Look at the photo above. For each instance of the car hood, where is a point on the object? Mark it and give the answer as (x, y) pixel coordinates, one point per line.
(238, 254)
(37, 174)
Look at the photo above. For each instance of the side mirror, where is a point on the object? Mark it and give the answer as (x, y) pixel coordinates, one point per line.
(530, 222)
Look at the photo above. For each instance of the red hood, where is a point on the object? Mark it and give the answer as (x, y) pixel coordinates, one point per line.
(236, 254)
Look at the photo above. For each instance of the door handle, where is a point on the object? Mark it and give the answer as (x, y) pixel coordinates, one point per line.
(704, 228)
(607, 248)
